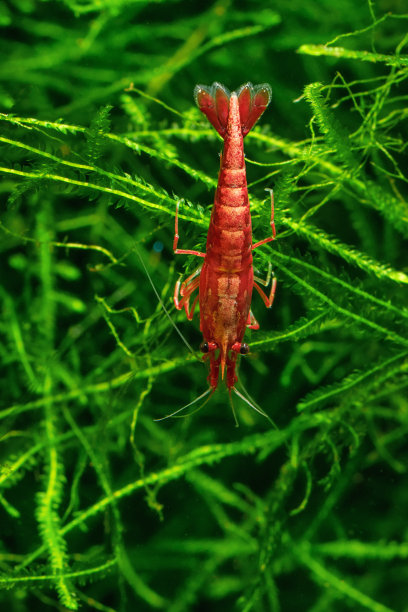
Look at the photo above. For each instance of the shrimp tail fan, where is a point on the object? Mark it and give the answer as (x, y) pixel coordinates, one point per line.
(214, 102)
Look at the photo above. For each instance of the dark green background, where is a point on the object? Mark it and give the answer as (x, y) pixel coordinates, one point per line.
(103, 507)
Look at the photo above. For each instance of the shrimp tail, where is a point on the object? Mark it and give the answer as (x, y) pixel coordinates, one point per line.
(214, 102)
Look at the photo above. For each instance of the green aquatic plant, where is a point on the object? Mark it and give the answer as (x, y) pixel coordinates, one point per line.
(104, 506)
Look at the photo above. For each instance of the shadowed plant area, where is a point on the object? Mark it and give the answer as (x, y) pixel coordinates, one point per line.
(104, 507)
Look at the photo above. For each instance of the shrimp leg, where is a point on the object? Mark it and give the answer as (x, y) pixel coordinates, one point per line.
(268, 301)
(252, 323)
(265, 240)
(185, 289)
(176, 239)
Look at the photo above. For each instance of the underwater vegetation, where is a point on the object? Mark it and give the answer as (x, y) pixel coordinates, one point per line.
(103, 506)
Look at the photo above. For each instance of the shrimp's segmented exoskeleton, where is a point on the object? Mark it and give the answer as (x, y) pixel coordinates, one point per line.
(226, 278)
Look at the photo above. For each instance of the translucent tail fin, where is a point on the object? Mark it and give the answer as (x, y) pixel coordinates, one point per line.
(213, 101)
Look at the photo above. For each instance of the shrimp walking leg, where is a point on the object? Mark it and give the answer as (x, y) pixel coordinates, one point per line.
(268, 301)
(176, 239)
(252, 323)
(185, 289)
(272, 223)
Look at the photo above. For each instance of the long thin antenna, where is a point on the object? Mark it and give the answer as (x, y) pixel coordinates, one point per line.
(233, 411)
(254, 403)
(257, 409)
(197, 399)
(162, 304)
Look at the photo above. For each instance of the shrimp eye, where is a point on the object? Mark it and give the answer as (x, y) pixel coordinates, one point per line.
(204, 347)
(244, 350)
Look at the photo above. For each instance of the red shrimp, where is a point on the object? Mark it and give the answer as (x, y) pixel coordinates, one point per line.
(226, 278)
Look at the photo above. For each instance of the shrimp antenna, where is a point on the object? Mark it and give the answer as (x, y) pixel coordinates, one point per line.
(253, 406)
(164, 307)
(233, 411)
(252, 401)
(197, 399)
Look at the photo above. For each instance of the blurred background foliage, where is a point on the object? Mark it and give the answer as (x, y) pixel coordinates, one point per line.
(104, 508)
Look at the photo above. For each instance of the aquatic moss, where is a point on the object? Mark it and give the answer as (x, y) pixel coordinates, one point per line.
(104, 508)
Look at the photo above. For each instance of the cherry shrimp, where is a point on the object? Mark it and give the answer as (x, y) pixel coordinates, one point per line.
(225, 280)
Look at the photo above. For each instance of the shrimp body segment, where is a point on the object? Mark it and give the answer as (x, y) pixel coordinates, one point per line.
(226, 278)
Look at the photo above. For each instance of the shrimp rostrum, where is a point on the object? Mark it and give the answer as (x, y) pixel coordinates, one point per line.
(226, 278)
